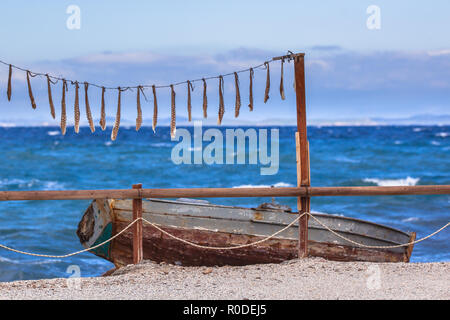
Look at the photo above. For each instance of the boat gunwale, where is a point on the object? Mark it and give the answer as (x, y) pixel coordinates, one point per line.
(406, 233)
(318, 227)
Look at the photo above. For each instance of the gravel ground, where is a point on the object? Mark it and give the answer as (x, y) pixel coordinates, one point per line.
(311, 278)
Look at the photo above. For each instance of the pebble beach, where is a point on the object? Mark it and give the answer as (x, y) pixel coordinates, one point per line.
(312, 278)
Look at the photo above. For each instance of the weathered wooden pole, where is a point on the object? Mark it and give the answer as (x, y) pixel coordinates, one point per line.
(302, 151)
(138, 252)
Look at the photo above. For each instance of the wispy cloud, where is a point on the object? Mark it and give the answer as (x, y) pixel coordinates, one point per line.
(339, 81)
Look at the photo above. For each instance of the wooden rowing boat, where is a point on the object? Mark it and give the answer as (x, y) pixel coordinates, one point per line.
(213, 225)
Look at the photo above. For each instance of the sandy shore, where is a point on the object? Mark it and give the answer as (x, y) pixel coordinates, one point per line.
(312, 278)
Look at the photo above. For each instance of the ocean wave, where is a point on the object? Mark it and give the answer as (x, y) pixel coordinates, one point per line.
(7, 125)
(331, 214)
(411, 219)
(20, 183)
(409, 181)
(29, 262)
(417, 129)
(346, 159)
(108, 143)
(53, 133)
(442, 134)
(161, 144)
(53, 185)
(435, 143)
(276, 185)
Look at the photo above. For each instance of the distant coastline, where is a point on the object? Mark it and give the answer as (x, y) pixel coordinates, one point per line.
(416, 120)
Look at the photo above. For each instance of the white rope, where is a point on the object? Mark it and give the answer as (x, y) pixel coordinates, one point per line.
(225, 248)
(69, 254)
(378, 247)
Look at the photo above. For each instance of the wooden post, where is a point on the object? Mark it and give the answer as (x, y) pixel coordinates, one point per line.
(302, 150)
(138, 251)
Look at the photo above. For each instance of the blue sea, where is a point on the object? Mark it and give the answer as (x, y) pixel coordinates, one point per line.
(40, 158)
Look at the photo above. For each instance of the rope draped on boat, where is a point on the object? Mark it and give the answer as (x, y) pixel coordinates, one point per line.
(225, 248)
(53, 80)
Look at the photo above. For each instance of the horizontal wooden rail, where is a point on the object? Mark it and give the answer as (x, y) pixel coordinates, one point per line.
(223, 192)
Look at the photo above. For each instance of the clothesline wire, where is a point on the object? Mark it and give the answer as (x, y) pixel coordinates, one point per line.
(34, 74)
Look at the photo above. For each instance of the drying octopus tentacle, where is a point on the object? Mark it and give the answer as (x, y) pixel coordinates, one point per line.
(155, 109)
(115, 129)
(205, 100)
(173, 128)
(266, 93)
(50, 99)
(30, 91)
(102, 111)
(8, 92)
(77, 108)
(250, 95)
(238, 96)
(221, 103)
(88, 108)
(63, 108)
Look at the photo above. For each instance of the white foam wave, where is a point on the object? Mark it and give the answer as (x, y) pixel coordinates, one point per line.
(7, 125)
(409, 181)
(20, 183)
(276, 185)
(417, 129)
(442, 134)
(53, 133)
(53, 185)
(108, 143)
(161, 144)
(346, 159)
(411, 219)
(435, 143)
(35, 262)
(333, 214)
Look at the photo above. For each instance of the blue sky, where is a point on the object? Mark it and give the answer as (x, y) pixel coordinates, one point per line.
(399, 70)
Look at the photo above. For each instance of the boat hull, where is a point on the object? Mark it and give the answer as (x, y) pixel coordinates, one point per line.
(222, 226)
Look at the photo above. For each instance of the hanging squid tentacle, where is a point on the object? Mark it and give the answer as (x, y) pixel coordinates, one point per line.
(63, 108)
(102, 111)
(266, 93)
(76, 108)
(189, 105)
(238, 96)
(173, 128)
(205, 100)
(282, 82)
(155, 109)
(50, 99)
(8, 92)
(138, 107)
(221, 103)
(30, 91)
(250, 95)
(115, 129)
(88, 108)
